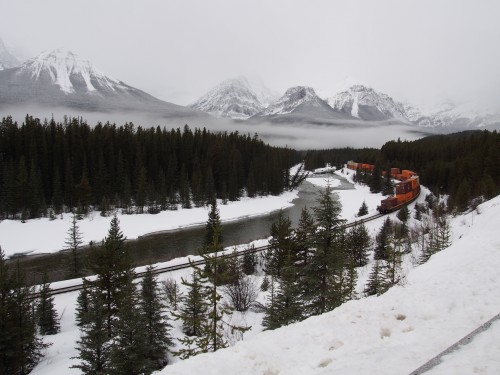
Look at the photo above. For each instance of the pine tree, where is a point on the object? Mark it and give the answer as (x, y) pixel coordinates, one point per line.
(194, 308)
(403, 214)
(359, 244)
(304, 237)
(375, 181)
(363, 210)
(129, 349)
(24, 349)
(280, 245)
(112, 265)
(374, 284)
(285, 305)
(94, 346)
(322, 278)
(382, 240)
(249, 263)
(213, 230)
(387, 185)
(48, 322)
(83, 303)
(73, 242)
(153, 311)
(391, 267)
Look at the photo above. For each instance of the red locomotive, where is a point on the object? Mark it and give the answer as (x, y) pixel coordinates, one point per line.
(406, 191)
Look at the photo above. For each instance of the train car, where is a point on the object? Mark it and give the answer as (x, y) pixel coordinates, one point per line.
(352, 165)
(406, 191)
(395, 172)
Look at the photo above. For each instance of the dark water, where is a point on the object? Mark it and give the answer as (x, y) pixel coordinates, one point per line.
(164, 246)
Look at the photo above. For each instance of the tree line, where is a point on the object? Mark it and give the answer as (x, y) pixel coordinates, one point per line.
(51, 167)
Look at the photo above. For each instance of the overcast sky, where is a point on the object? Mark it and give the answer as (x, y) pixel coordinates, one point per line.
(422, 51)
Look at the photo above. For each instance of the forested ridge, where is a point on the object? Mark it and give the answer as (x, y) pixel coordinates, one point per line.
(49, 167)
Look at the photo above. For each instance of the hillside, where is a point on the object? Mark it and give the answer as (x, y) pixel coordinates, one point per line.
(441, 302)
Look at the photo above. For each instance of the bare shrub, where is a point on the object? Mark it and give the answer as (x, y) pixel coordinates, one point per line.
(172, 292)
(242, 293)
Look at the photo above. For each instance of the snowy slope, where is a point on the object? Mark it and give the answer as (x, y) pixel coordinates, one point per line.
(68, 71)
(448, 116)
(7, 59)
(300, 104)
(442, 301)
(292, 99)
(233, 98)
(61, 78)
(367, 104)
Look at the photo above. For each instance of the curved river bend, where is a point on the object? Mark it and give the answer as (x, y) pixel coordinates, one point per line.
(164, 246)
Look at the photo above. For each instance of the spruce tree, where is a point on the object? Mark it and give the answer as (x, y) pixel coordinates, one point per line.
(112, 265)
(322, 289)
(387, 185)
(194, 307)
(83, 303)
(73, 243)
(280, 245)
(304, 238)
(48, 322)
(363, 210)
(129, 349)
(359, 244)
(391, 267)
(374, 284)
(285, 305)
(382, 240)
(153, 313)
(375, 181)
(25, 348)
(94, 346)
(213, 230)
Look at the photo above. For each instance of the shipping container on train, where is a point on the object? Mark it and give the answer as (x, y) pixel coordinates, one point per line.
(406, 191)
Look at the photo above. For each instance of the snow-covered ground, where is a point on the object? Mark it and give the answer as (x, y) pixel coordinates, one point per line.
(44, 235)
(439, 303)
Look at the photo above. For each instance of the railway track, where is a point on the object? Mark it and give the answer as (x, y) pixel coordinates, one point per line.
(166, 269)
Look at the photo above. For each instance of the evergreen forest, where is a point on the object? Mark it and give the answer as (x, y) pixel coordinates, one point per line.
(50, 167)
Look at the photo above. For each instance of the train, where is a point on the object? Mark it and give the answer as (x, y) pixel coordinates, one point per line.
(407, 189)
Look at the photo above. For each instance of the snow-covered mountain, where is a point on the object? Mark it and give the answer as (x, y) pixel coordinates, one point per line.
(367, 104)
(233, 98)
(448, 116)
(300, 103)
(60, 78)
(7, 59)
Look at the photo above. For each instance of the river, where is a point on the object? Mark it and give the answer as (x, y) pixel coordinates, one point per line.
(164, 246)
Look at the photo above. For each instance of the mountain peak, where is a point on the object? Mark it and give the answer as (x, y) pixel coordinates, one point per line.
(67, 70)
(367, 104)
(7, 59)
(233, 98)
(293, 97)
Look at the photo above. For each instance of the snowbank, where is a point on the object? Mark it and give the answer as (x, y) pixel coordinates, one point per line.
(44, 235)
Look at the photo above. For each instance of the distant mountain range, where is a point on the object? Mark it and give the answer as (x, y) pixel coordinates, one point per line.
(62, 79)
(235, 99)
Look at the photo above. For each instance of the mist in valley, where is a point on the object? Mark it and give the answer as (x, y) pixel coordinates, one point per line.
(297, 135)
